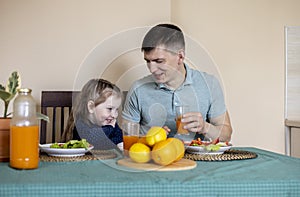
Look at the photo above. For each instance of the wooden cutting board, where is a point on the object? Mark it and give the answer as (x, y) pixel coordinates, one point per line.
(183, 164)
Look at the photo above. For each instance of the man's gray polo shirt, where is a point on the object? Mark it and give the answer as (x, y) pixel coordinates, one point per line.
(153, 104)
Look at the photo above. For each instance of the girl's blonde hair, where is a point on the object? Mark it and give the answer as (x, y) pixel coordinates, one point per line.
(96, 90)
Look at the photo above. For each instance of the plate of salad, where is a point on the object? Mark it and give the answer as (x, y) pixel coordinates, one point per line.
(205, 147)
(72, 148)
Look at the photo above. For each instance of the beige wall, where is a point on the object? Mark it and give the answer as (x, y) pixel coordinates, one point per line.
(246, 40)
(48, 40)
(51, 42)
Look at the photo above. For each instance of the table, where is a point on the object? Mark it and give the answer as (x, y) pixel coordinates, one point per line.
(270, 174)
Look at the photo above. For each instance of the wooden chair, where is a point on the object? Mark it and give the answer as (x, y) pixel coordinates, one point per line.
(57, 105)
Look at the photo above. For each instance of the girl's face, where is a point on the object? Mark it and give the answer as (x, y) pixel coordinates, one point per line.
(106, 113)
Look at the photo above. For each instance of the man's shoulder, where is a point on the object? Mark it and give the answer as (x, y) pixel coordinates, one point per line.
(197, 74)
(201, 78)
(195, 71)
(144, 82)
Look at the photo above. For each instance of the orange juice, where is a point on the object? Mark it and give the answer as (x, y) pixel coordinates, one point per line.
(180, 125)
(24, 147)
(128, 141)
(142, 139)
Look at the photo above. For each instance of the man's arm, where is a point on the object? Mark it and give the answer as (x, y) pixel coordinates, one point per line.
(219, 127)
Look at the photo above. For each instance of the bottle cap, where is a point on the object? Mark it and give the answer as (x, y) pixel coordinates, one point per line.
(24, 90)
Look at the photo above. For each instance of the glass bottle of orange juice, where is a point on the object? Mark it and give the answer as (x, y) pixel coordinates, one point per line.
(24, 132)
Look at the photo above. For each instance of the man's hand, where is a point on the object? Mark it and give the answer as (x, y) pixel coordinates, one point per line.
(167, 129)
(194, 121)
(218, 127)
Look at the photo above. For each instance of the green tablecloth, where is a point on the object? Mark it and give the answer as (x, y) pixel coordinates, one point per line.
(269, 174)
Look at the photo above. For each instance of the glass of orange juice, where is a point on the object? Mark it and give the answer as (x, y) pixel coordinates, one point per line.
(131, 132)
(180, 110)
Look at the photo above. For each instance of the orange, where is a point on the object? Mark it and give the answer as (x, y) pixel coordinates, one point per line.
(140, 153)
(155, 135)
(179, 146)
(164, 152)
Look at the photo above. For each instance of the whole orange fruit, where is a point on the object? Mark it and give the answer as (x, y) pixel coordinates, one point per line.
(155, 135)
(140, 153)
(179, 146)
(164, 152)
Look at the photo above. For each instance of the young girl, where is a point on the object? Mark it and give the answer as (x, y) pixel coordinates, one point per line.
(95, 115)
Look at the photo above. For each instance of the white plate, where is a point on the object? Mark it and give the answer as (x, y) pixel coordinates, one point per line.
(120, 146)
(64, 152)
(202, 150)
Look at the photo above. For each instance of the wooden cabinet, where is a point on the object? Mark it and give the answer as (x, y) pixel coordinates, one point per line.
(292, 88)
(295, 142)
(293, 137)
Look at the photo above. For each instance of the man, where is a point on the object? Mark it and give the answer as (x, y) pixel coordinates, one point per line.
(151, 101)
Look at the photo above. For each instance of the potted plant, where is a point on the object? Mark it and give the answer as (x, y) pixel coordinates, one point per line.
(7, 93)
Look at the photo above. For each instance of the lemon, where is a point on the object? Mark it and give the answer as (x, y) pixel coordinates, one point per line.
(140, 153)
(155, 135)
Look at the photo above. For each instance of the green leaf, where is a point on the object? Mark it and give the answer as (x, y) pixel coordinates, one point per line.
(55, 145)
(8, 93)
(13, 83)
(212, 147)
(2, 87)
(73, 144)
(5, 95)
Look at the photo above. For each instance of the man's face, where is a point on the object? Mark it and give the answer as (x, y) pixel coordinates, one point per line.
(164, 66)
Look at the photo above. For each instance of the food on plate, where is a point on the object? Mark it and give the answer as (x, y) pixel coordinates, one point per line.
(140, 153)
(155, 135)
(212, 147)
(223, 144)
(71, 144)
(209, 146)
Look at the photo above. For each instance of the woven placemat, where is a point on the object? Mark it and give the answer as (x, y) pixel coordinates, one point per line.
(228, 155)
(92, 155)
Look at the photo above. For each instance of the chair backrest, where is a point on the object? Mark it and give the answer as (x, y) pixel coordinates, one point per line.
(57, 105)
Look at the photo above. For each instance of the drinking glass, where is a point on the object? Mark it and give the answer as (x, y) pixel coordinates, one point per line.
(130, 135)
(180, 110)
